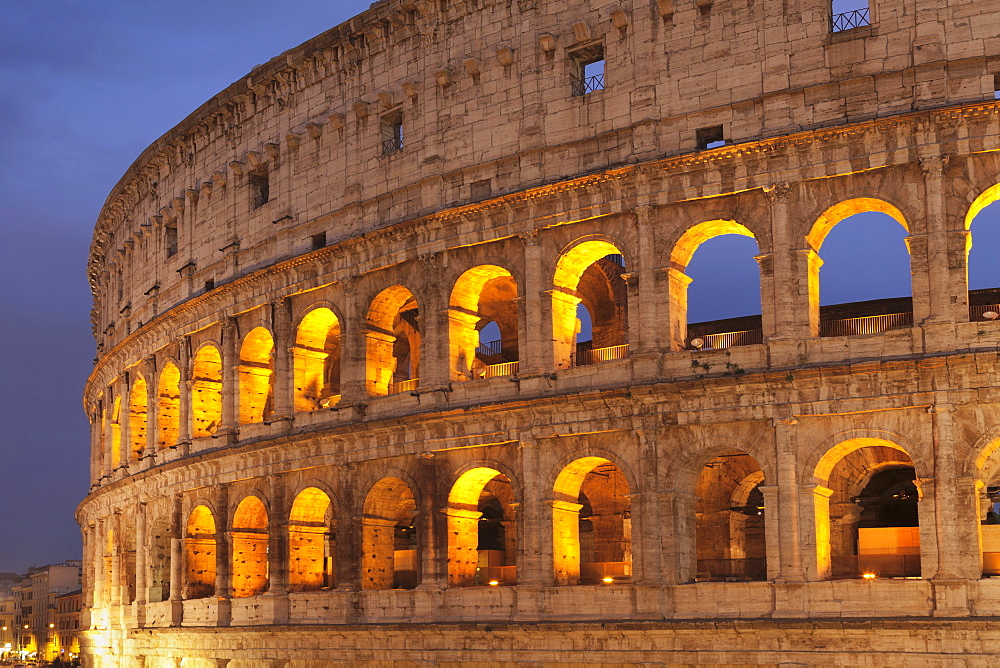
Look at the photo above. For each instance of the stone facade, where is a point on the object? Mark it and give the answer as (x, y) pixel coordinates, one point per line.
(307, 450)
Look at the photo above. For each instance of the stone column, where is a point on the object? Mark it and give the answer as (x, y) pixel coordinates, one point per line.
(432, 541)
(559, 322)
(939, 271)
(433, 320)
(677, 287)
(814, 531)
(462, 341)
(99, 566)
(533, 348)
(223, 562)
(354, 347)
(283, 385)
(96, 446)
(787, 517)
(463, 541)
(125, 424)
(534, 544)
(277, 539)
(565, 541)
(229, 424)
(140, 555)
(646, 319)
(349, 553)
(185, 387)
(152, 410)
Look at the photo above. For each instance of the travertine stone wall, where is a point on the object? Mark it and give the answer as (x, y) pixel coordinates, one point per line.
(289, 428)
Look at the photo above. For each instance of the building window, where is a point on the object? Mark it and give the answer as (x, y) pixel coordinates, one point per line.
(711, 137)
(318, 240)
(996, 86)
(170, 239)
(848, 14)
(392, 133)
(588, 70)
(260, 188)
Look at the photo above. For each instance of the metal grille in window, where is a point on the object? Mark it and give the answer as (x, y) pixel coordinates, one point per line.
(586, 85)
(391, 145)
(853, 19)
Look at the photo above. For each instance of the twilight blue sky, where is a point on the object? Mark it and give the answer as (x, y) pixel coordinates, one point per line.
(87, 85)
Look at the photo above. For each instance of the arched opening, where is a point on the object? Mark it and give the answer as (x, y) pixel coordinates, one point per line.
(137, 418)
(867, 511)
(256, 371)
(481, 530)
(249, 558)
(311, 542)
(715, 286)
(988, 486)
(864, 286)
(729, 519)
(483, 324)
(389, 537)
(116, 433)
(168, 406)
(982, 248)
(158, 555)
(393, 342)
(199, 554)
(206, 392)
(317, 360)
(591, 273)
(591, 524)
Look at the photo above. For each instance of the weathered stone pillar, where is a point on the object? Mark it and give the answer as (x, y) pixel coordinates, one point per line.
(378, 568)
(223, 550)
(533, 346)
(646, 318)
(283, 385)
(942, 281)
(229, 424)
(560, 322)
(814, 531)
(463, 541)
(96, 445)
(463, 338)
(152, 410)
(787, 518)
(353, 354)
(349, 553)
(99, 566)
(140, 555)
(534, 544)
(432, 538)
(185, 387)
(565, 541)
(125, 423)
(677, 287)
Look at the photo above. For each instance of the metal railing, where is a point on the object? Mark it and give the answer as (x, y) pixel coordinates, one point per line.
(729, 339)
(489, 348)
(502, 369)
(585, 357)
(752, 569)
(586, 85)
(391, 145)
(868, 324)
(976, 312)
(857, 18)
(403, 386)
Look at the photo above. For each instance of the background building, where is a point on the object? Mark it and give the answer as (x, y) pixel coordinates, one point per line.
(395, 360)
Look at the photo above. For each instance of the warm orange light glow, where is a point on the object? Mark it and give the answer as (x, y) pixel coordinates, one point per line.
(494, 583)
(869, 576)
(206, 391)
(607, 580)
(256, 370)
(317, 360)
(168, 405)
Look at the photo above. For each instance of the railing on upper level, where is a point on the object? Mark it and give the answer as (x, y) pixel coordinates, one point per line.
(724, 340)
(586, 85)
(857, 18)
(502, 369)
(595, 355)
(489, 348)
(403, 386)
(868, 324)
(979, 312)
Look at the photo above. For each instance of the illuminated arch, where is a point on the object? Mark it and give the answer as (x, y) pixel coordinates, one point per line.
(389, 539)
(583, 275)
(987, 197)
(842, 473)
(607, 494)
(847, 208)
(316, 363)
(728, 519)
(392, 341)
(256, 372)
(137, 417)
(249, 540)
(680, 258)
(468, 553)
(199, 553)
(206, 391)
(168, 406)
(311, 544)
(486, 293)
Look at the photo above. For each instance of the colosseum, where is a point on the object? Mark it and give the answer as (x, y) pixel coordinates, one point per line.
(394, 363)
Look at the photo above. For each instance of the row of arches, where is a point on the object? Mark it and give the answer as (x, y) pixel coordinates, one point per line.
(486, 328)
(867, 502)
